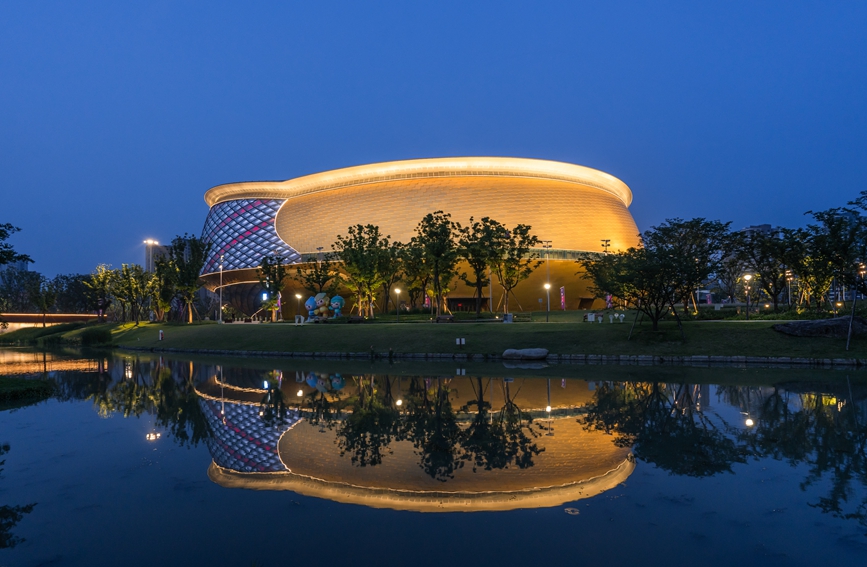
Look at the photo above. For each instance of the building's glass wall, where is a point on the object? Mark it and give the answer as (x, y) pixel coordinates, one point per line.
(242, 231)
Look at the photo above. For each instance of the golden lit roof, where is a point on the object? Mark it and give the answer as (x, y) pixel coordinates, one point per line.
(420, 169)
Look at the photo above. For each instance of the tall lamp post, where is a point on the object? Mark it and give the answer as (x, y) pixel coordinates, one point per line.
(548, 293)
(397, 303)
(298, 304)
(747, 278)
(221, 289)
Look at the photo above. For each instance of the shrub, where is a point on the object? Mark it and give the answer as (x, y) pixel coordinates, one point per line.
(95, 336)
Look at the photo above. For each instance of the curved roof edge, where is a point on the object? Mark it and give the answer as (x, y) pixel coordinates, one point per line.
(422, 168)
(424, 501)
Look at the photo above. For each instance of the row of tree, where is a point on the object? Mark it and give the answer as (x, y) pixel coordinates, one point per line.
(128, 293)
(678, 257)
(369, 264)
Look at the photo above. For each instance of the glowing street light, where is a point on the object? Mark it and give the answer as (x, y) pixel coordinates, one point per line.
(747, 278)
(300, 393)
(749, 422)
(298, 304)
(548, 293)
(399, 402)
(397, 305)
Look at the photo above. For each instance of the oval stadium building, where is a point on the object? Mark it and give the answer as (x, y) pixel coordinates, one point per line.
(577, 209)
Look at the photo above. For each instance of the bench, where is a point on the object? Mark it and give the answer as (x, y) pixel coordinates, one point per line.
(445, 319)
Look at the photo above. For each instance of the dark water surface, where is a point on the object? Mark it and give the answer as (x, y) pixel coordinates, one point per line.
(144, 460)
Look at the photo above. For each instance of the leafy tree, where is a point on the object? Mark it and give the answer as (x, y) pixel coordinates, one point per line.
(436, 236)
(7, 252)
(43, 296)
(367, 432)
(15, 286)
(695, 248)
(132, 288)
(187, 255)
(391, 269)
(416, 276)
(765, 255)
(271, 273)
(362, 252)
(72, 293)
(163, 287)
(99, 288)
(642, 277)
(321, 276)
(477, 245)
(514, 258)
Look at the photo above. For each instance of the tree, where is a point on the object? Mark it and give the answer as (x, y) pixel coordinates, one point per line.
(695, 247)
(271, 273)
(162, 288)
(131, 287)
(435, 234)
(15, 286)
(765, 255)
(187, 255)
(362, 251)
(43, 296)
(72, 293)
(477, 244)
(391, 269)
(644, 278)
(321, 276)
(416, 276)
(513, 257)
(7, 253)
(99, 288)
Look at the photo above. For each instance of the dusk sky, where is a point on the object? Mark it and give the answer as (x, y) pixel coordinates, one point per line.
(116, 117)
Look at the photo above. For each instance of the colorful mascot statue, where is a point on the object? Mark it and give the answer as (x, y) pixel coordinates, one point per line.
(337, 304)
(310, 305)
(322, 305)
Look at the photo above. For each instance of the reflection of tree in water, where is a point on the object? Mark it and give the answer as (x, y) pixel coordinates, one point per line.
(661, 424)
(366, 433)
(272, 408)
(491, 440)
(163, 389)
(826, 432)
(497, 441)
(10, 515)
(432, 427)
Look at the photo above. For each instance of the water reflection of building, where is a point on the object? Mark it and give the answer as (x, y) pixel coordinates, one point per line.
(564, 463)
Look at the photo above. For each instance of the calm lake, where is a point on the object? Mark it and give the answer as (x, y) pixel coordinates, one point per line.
(141, 459)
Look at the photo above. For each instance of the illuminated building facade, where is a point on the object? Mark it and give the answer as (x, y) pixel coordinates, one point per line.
(577, 209)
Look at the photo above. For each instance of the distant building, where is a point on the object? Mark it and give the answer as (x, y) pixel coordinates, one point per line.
(153, 252)
(763, 229)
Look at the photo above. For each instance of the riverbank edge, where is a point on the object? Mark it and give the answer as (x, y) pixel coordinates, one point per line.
(578, 359)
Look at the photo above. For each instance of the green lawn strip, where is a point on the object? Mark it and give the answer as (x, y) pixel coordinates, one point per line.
(32, 334)
(701, 338)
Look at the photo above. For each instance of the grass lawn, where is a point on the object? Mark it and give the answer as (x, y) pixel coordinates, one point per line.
(702, 338)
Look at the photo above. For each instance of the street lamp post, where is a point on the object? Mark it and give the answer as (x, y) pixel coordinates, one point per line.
(548, 293)
(747, 278)
(221, 289)
(298, 304)
(397, 303)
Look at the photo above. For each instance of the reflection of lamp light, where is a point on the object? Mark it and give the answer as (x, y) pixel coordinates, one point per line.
(265, 385)
(153, 436)
(300, 393)
(749, 422)
(548, 409)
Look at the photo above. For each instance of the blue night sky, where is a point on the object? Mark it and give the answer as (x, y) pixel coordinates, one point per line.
(116, 117)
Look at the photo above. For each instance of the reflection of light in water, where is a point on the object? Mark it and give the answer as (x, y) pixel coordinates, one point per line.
(153, 436)
(300, 393)
(749, 422)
